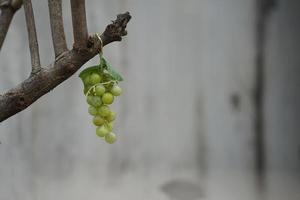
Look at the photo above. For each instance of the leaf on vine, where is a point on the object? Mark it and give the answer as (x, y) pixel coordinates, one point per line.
(103, 66)
(113, 73)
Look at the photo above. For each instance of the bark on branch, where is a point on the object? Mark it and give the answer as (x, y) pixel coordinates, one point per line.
(57, 26)
(8, 9)
(23, 95)
(80, 31)
(32, 37)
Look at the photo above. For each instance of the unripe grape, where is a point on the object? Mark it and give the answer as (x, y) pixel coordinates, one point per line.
(111, 117)
(97, 101)
(95, 78)
(104, 111)
(87, 80)
(89, 100)
(107, 98)
(110, 138)
(100, 90)
(101, 131)
(98, 121)
(110, 126)
(93, 110)
(116, 90)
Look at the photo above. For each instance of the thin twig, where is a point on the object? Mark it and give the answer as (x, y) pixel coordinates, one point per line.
(80, 30)
(32, 37)
(57, 26)
(8, 9)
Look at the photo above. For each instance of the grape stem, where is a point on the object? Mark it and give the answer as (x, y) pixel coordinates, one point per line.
(88, 92)
(94, 86)
(108, 82)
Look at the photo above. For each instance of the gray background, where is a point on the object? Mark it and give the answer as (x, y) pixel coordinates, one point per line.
(179, 136)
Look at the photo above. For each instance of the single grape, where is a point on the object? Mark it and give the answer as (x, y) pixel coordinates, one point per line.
(100, 90)
(89, 100)
(101, 131)
(107, 98)
(111, 117)
(104, 111)
(116, 90)
(95, 78)
(87, 80)
(110, 126)
(98, 121)
(97, 101)
(110, 138)
(93, 110)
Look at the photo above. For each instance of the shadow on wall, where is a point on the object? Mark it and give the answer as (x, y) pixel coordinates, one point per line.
(180, 189)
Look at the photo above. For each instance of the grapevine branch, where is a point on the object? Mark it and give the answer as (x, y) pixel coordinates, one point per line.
(32, 37)
(57, 27)
(80, 32)
(8, 9)
(65, 65)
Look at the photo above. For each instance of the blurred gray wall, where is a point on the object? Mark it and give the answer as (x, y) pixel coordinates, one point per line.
(187, 107)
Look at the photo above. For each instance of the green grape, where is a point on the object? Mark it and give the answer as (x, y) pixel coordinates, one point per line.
(98, 121)
(95, 78)
(110, 138)
(87, 80)
(104, 111)
(111, 117)
(101, 131)
(93, 110)
(100, 90)
(89, 100)
(116, 90)
(97, 102)
(110, 126)
(107, 98)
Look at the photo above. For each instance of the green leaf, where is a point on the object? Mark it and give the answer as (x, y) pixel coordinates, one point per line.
(88, 71)
(113, 73)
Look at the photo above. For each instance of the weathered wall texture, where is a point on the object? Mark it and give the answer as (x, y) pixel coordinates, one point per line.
(186, 113)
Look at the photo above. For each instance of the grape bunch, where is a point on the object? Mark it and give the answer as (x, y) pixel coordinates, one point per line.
(101, 89)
